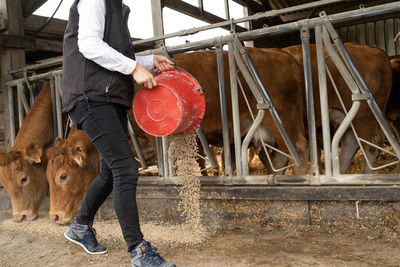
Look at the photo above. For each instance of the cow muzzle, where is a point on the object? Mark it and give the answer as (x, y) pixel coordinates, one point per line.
(24, 216)
(60, 217)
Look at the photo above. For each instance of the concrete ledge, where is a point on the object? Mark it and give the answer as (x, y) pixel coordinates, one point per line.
(244, 207)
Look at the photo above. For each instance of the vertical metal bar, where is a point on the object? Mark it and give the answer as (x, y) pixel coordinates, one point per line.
(167, 174)
(20, 105)
(157, 18)
(32, 97)
(267, 99)
(53, 107)
(235, 108)
(323, 93)
(58, 84)
(201, 6)
(227, 15)
(160, 161)
(12, 114)
(206, 147)
(224, 111)
(22, 97)
(305, 41)
(136, 145)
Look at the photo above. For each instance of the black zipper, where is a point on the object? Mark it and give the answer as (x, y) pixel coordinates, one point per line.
(108, 85)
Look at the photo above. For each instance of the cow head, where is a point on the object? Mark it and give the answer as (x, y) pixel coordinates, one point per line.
(23, 176)
(72, 166)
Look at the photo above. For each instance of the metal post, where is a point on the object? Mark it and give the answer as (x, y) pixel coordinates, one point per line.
(305, 41)
(206, 147)
(20, 88)
(323, 93)
(224, 111)
(201, 7)
(160, 161)
(22, 97)
(12, 114)
(136, 145)
(157, 17)
(53, 106)
(166, 172)
(58, 118)
(227, 15)
(235, 109)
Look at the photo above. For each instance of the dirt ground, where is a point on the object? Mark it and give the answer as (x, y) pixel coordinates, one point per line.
(41, 243)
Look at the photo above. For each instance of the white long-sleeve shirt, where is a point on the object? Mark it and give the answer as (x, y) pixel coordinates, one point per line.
(91, 44)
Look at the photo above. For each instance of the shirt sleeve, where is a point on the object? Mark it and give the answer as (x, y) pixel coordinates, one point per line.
(91, 44)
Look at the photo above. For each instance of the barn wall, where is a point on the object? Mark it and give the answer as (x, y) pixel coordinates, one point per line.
(379, 33)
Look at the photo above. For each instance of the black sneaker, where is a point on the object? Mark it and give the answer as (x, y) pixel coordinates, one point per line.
(146, 255)
(85, 236)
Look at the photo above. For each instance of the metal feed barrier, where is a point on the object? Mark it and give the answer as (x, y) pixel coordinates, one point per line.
(239, 61)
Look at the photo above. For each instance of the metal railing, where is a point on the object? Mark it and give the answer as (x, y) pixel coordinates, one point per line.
(240, 61)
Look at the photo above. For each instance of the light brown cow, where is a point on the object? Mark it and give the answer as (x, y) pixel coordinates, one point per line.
(72, 166)
(374, 66)
(393, 105)
(22, 169)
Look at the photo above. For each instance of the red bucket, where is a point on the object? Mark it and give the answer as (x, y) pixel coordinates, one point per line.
(175, 106)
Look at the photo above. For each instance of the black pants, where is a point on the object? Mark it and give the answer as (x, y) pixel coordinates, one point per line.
(106, 126)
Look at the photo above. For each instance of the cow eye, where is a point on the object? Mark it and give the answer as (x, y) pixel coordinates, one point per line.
(63, 177)
(24, 179)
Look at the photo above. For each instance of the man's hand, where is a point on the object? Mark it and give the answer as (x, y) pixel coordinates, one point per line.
(162, 63)
(143, 77)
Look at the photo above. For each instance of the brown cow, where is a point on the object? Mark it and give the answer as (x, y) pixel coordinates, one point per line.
(374, 66)
(393, 105)
(22, 169)
(72, 166)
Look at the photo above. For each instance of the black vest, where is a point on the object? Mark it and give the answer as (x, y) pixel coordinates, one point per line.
(83, 79)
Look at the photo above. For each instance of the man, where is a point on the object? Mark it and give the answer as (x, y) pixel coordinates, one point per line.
(98, 73)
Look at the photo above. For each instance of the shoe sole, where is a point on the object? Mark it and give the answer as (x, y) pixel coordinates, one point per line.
(87, 251)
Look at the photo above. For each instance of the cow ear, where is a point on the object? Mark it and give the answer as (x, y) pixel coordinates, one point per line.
(78, 154)
(50, 152)
(8, 157)
(58, 142)
(33, 152)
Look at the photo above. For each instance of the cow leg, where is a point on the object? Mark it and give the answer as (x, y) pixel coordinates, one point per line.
(349, 147)
(303, 150)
